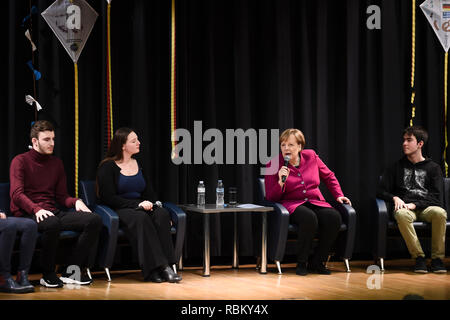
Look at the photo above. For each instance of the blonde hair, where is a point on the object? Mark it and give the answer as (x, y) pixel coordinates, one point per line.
(297, 134)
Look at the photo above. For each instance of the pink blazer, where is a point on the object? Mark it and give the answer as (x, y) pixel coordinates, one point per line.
(302, 184)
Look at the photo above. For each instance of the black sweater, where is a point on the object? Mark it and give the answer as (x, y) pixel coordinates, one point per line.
(420, 183)
(107, 179)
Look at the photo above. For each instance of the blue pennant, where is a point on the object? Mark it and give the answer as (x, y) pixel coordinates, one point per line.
(36, 73)
(33, 11)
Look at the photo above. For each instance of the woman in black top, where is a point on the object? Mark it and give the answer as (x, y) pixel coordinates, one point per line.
(122, 185)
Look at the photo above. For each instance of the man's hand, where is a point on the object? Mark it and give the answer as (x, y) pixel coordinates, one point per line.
(147, 205)
(43, 214)
(80, 206)
(410, 206)
(399, 204)
(2, 215)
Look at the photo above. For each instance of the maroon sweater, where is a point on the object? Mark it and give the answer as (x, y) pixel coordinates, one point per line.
(38, 181)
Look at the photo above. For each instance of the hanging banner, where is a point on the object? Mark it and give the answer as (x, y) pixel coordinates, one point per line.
(438, 15)
(72, 22)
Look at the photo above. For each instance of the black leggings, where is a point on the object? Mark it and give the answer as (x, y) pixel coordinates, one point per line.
(311, 221)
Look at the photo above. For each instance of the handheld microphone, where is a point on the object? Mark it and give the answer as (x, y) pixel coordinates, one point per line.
(286, 162)
(155, 204)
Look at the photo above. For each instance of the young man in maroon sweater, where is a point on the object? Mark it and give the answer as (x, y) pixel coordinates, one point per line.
(38, 184)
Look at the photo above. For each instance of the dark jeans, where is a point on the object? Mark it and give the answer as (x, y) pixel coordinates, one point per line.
(149, 235)
(8, 233)
(311, 221)
(87, 224)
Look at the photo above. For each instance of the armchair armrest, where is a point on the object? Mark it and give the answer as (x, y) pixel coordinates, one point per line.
(348, 215)
(108, 241)
(380, 220)
(177, 215)
(179, 219)
(277, 233)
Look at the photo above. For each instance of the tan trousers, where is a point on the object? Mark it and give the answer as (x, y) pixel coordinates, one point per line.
(434, 215)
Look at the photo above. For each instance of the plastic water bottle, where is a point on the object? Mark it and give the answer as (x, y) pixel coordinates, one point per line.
(201, 194)
(220, 194)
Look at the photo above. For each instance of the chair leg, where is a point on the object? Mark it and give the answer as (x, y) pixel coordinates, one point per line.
(107, 274)
(89, 273)
(258, 263)
(382, 264)
(347, 265)
(328, 259)
(278, 267)
(174, 267)
(180, 263)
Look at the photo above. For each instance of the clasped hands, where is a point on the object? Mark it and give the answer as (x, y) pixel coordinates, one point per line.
(147, 205)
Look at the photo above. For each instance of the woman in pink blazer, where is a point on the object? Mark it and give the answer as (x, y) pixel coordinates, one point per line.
(296, 186)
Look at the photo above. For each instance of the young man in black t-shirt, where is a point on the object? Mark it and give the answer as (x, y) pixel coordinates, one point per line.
(414, 185)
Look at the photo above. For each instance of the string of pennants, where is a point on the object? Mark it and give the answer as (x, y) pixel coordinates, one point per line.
(72, 22)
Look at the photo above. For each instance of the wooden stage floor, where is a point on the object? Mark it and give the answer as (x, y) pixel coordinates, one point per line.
(246, 283)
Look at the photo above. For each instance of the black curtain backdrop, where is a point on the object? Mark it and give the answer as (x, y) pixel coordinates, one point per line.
(262, 64)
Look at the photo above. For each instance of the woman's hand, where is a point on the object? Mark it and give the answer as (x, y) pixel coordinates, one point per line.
(284, 171)
(147, 205)
(344, 200)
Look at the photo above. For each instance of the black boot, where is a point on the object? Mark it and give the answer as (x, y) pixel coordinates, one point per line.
(7, 284)
(169, 275)
(154, 276)
(319, 267)
(301, 269)
(22, 279)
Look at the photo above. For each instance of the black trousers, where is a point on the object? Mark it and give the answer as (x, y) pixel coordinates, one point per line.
(8, 232)
(89, 226)
(149, 235)
(311, 221)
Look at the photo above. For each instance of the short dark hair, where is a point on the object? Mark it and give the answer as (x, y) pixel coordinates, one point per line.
(417, 131)
(40, 126)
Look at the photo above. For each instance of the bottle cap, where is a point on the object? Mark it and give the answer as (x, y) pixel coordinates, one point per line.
(201, 181)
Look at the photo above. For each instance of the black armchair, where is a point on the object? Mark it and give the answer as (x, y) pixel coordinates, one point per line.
(386, 226)
(112, 233)
(281, 232)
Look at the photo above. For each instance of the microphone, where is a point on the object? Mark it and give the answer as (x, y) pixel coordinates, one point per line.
(286, 162)
(155, 204)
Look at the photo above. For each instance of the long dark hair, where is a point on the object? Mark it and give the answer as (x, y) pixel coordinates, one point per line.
(115, 151)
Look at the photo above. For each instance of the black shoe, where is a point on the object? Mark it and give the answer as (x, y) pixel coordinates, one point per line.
(301, 269)
(421, 266)
(22, 279)
(50, 280)
(319, 268)
(7, 284)
(154, 276)
(169, 275)
(437, 266)
(68, 278)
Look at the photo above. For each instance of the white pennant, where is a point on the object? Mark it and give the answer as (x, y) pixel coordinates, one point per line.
(27, 34)
(29, 99)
